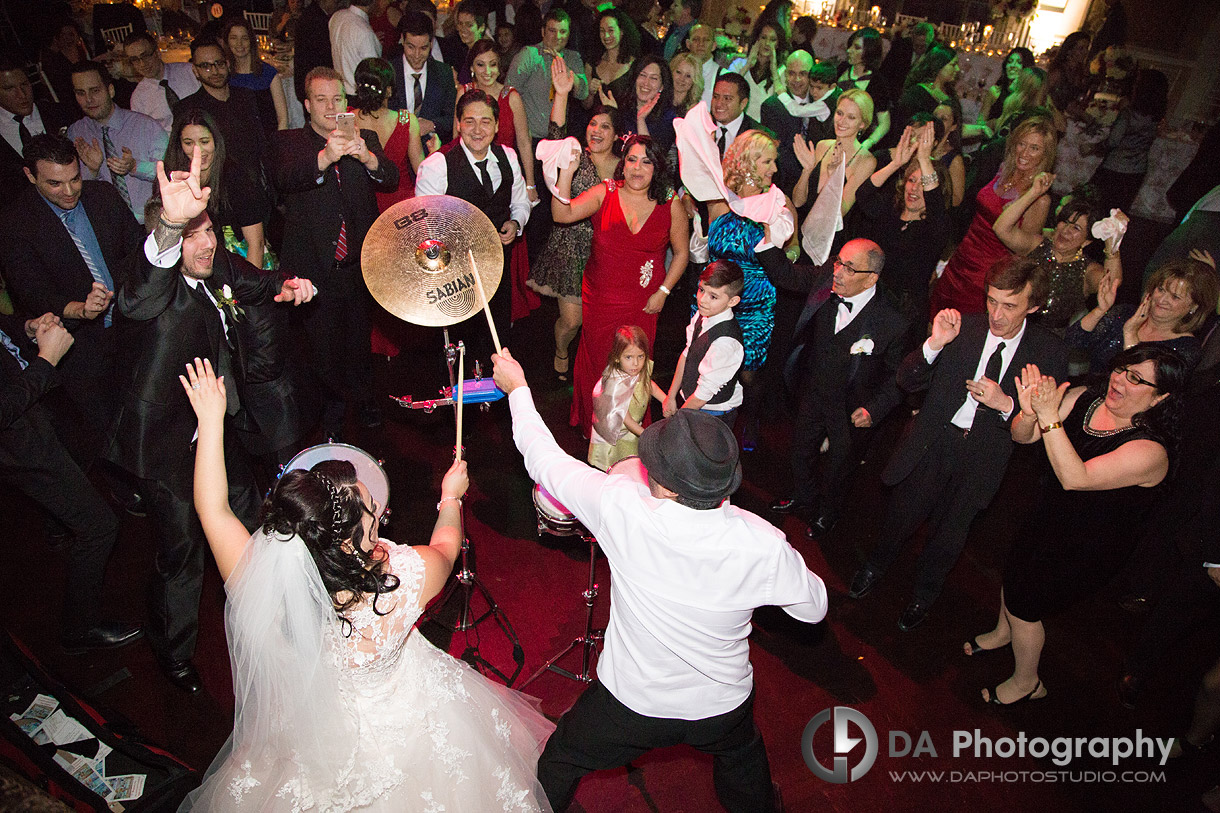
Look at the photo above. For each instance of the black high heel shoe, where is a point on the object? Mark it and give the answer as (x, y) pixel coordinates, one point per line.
(561, 375)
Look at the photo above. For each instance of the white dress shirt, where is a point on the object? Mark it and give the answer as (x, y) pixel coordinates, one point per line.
(11, 130)
(433, 179)
(964, 417)
(684, 583)
(731, 131)
(845, 315)
(711, 69)
(724, 357)
(351, 40)
(149, 96)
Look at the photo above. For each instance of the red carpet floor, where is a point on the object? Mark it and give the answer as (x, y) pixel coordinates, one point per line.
(914, 682)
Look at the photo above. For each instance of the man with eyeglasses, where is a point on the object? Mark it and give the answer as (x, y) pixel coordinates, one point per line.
(951, 462)
(161, 85)
(234, 108)
(843, 367)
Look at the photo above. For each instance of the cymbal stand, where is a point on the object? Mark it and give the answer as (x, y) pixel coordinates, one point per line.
(588, 641)
(467, 582)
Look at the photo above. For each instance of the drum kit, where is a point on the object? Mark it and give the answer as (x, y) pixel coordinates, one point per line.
(436, 261)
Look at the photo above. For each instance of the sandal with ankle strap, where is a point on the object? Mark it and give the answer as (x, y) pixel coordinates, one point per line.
(560, 375)
(994, 698)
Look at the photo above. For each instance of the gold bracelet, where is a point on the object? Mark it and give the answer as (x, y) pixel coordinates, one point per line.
(1055, 425)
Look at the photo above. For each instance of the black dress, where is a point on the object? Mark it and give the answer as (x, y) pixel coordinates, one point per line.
(1075, 541)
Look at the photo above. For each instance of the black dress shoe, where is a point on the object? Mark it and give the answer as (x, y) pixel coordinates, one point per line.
(106, 635)
(914, 615)
(785, 506)
(864, 581)
(822, 525)
(370, 417)
(183, 675)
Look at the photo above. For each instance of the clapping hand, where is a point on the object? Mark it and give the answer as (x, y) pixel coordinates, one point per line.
(1131, 328)
(1204, 256)
(904, 150)
(91, 155)
(990, 394)
(945, 327)
(1025, 381)
(182, 199)
(122, 165)
(803, 154)
(1107, 291)
(643, 110)
(607, 98)
(1045, 398)
(927, 140)
(205, 391)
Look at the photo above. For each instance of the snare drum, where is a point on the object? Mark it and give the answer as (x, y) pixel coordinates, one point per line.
(368, 469)
(553, 517)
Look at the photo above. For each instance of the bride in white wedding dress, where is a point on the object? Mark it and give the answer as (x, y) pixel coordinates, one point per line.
(340, 704)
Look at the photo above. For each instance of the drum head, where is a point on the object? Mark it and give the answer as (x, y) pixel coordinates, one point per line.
(547, 504)
(368, 470)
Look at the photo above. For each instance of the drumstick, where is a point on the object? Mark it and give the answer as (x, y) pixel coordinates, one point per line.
(495, 337)
(457, 453)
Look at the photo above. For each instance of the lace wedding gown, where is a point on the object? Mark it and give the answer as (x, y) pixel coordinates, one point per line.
(387, 722)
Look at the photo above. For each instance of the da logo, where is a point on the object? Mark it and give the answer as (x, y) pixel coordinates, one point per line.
(844, 744)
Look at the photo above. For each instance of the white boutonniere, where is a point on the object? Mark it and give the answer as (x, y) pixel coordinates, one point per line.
(225, 299)
(862, 347)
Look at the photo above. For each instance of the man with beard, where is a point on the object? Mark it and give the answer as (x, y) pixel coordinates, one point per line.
(185, 297)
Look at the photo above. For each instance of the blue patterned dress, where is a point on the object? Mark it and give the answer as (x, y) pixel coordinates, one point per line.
(733, 237)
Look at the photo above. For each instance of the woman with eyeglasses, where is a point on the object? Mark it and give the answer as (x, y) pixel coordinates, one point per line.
(1109, 449)
(1178, 298)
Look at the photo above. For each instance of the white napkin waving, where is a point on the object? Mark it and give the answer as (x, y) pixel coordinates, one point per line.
(556, 155)
(826, 216)
(703, 176)
(1111, 229)
(805, 110)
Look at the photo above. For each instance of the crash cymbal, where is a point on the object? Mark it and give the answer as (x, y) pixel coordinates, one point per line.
(416, 259)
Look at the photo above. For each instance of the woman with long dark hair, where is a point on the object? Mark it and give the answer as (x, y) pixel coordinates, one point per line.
(340, 703)
(636, 218)
(649, 106)
(859, 71)
(931, 82)
(763, 65)
(1067, 75)
(398, 130)
(1119, 178)
(238, 206)
(619, 39)
(1109, 448)
(248, 70)
(1018, 58)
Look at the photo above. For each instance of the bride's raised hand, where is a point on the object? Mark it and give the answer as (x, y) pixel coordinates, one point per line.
(204, 390)
(456, 481)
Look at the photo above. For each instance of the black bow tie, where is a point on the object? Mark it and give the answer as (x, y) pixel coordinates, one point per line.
(841, 301)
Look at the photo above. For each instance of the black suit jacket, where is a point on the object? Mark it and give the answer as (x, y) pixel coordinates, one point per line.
(152, 433)
(870, 379)
(440, 95)
(21, 390)
(311, 46)
(45, 272)
(315, 209)
(785, 126)
(55, 119)
(945, 380)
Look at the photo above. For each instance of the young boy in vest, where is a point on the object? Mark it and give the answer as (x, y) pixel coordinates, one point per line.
(709, 367)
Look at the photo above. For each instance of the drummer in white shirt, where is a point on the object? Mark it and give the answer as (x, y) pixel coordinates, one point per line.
(688, 569)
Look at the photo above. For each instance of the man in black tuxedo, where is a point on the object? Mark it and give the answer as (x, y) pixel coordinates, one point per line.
(327, 178)
(423, 85)
(806, 109)
(34, 461)
(65, 249)
(21, 119)
(951, 462)
(186, 295)
(847, 351)
(730, 96)
(311, 45)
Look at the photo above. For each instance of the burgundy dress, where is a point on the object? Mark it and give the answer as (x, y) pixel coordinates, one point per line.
(624, 270)
(388, 331)
(961, 286)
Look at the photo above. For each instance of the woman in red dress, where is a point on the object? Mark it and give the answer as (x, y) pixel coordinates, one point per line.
(636, 218)
(1030, 149)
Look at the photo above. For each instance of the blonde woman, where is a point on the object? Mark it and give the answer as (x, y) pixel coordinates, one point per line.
(688, 81)
(1030, 149)
(853, 116)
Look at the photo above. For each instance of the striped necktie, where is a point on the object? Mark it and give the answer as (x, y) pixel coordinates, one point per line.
(418, 102)
(10, 346)
(95, 270)
(341, 243)
(119, 181)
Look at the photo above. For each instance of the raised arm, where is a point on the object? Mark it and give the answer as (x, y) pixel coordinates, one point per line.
(226, 536)
(583, 207)
(1017, 238)
(446, 543)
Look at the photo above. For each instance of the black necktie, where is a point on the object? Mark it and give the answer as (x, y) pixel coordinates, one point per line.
(995, 363)
(694, 336)
(485, 177)
(724, 131)
(171, 98)
(841, 301)
(419, 96)
(22, 131)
